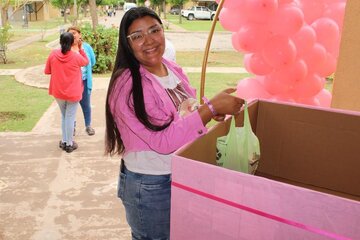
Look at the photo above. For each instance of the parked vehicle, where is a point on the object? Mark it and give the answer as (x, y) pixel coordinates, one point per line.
(129, 5)
(175, 10)
(197, 12)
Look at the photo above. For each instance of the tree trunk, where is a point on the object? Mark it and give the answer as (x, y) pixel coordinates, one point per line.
(164, 8)
(4, 18)
(93, 13)
(180, 17)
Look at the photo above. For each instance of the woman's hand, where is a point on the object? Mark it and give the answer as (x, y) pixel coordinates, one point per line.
(80, 43)
(225, 103)
(77, 46)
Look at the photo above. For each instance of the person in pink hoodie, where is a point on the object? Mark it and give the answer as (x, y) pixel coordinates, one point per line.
(151, 111)
(66, 85)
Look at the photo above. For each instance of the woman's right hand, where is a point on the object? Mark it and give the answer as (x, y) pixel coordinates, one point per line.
(225, 103)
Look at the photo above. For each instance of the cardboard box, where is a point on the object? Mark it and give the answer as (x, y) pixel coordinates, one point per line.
(346, 88)
(308, 183)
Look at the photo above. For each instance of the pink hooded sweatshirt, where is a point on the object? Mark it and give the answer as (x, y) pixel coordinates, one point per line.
(65, 70)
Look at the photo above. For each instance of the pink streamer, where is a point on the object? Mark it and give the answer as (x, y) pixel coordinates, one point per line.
(260, 213)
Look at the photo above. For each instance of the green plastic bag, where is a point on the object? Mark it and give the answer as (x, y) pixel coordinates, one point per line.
(240, 149)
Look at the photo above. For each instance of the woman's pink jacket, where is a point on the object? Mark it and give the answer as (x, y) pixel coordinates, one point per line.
(159, 107)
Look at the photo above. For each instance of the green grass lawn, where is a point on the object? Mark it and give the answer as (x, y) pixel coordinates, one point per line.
(30, 55)
(195, 58)
(34, 27)
(194, 25)
(21, 106)
(215, 82)
(215, 59)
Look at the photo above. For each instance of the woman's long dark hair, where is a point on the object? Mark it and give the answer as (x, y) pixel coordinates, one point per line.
(125, 59)
(66, 40)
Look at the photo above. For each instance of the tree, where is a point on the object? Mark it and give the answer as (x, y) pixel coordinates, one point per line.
(93, 14)
(157, 4)
(63, 5)
(5, 36)
(180, 3)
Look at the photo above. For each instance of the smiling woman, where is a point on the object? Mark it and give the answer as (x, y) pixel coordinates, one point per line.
(151, 111)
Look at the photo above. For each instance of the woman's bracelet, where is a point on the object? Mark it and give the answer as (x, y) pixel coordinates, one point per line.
(211, 107)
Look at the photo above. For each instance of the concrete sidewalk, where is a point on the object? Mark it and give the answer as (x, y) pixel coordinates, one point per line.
(47, 193)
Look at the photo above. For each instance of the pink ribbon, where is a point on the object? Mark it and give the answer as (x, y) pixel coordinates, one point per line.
(260, 213)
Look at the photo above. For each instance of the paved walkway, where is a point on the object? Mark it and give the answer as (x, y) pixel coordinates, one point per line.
(48, 194)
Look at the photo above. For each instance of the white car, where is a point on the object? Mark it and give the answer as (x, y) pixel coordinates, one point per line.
(127, 6)
(197, 12)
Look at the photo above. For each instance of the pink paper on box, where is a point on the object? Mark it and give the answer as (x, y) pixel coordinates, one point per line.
(209, 202)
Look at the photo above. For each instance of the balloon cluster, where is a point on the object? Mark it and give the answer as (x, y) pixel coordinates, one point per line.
(290, 46)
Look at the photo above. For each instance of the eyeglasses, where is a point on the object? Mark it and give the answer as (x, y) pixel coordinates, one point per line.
(139, 37)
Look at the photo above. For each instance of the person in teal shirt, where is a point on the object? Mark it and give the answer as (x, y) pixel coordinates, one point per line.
(86, 73)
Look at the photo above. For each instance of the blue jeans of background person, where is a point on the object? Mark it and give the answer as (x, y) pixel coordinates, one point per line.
(146, 199)
(85, 104)
(68, 114)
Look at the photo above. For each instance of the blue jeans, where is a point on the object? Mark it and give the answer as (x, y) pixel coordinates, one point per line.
(146, 199)
(85, 104)
(68, 113)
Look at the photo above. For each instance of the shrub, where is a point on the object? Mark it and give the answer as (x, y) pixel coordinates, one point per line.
(104, 42)
(5, 36)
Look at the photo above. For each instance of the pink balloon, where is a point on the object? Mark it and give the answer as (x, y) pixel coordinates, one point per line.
(287, 21)
(279, 51)
(334, 1)
(255, 64)
(324, 97)
(285, 1)
(304, 40)
(250, 38)
(285, 97)
(308, 87)
(336, 11)
(315, 58)
(328, 67)
(232, 19)
(261, 10)
(289, 75)
(251, 88)
(312, 9)
(274, 85)
(230, 4)
(327, 33)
